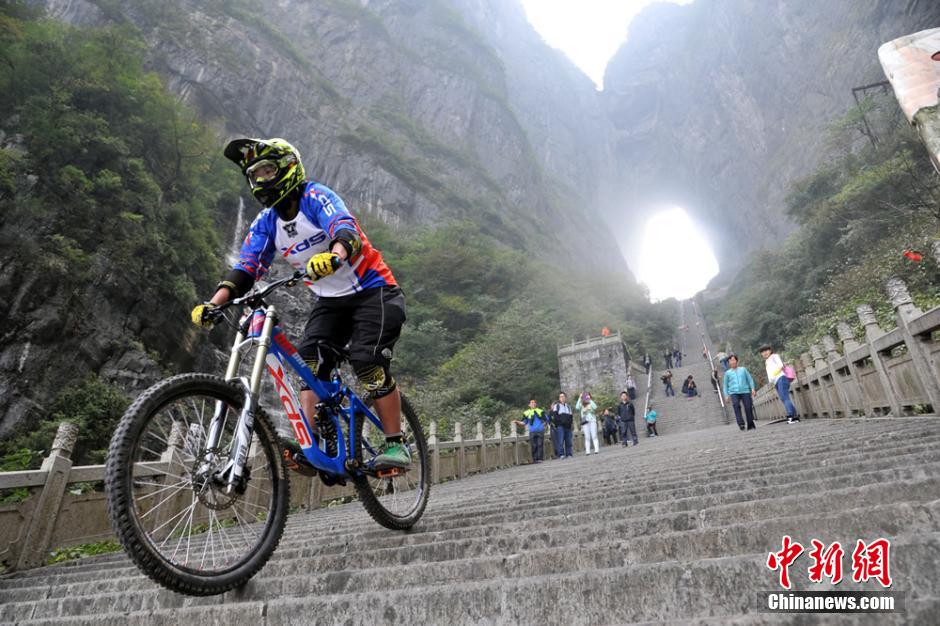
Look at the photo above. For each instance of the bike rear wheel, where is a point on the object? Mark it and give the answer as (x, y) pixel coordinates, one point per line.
(396, 501)
(182, 528)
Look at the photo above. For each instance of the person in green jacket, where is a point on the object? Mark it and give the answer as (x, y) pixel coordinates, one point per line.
(739, 388)
(588, 422)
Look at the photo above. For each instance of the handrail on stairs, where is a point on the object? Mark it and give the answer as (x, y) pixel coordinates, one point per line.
(649, 388)
(708, 353)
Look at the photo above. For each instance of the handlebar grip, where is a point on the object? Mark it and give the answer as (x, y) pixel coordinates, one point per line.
(336, 262)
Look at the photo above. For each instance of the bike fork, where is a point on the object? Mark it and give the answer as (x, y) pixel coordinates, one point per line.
(233, 474)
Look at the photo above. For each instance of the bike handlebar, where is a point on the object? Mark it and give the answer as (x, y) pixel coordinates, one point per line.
(255, 299)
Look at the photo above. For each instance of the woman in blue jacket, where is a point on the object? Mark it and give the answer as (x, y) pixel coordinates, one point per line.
(739, 388)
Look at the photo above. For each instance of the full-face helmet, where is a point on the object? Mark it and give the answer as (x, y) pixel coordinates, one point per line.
(272, 167)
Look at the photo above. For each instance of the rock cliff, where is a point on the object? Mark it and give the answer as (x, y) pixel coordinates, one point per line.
(720, 105)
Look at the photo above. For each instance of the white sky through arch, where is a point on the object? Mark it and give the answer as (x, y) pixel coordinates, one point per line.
(589, 32)
(675, 258)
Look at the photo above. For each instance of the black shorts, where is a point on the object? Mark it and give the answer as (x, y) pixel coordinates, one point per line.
(369, 322)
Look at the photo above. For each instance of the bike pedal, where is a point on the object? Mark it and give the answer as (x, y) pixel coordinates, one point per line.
(390, 472)
(295, 465)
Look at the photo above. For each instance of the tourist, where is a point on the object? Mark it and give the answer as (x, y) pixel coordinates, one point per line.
(739, 388)
(677, 357)
(778, 378)
(647, 362)
(561, 418)
(610, 427)
(667, 381)
(631, 387)
(627, 414)
(668, 358)
(534, 418)
(651, 423)
(689, 388)
(722, 358)
(588, 423)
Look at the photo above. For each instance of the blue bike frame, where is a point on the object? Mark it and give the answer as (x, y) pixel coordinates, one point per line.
(276, 352)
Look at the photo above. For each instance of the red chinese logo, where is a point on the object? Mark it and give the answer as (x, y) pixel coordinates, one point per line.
(783, 559)
(869, 561)
(826, 562)
(872, 561)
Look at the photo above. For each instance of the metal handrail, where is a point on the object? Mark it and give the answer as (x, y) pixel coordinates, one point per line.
(708, 353)
(649, 388)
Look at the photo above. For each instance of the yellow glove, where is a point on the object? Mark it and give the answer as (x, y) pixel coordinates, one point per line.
(199, 314)
(322, 265)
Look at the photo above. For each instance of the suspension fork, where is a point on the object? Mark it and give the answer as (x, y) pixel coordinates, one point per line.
(232, 474)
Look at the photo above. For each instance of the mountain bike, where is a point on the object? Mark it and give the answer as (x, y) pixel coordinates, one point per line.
(196, 480)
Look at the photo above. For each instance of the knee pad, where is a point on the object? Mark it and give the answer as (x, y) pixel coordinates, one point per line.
(321, 362)
(374, 378)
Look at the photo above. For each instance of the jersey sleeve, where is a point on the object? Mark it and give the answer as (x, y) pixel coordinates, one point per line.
(258, 249)
(327, 210)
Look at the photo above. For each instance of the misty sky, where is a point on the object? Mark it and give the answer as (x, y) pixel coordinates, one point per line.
(588, 31)
(674, 260)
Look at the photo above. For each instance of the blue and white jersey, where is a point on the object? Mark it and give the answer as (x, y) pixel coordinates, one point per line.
(322, 214)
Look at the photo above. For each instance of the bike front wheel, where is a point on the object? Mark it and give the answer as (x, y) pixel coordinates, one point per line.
(397, 499)
(180, 524)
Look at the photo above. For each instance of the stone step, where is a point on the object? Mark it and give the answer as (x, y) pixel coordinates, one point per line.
(744, 541)
(372, 531)
(668, 591)
(711, 495)
(627, 535)
(644, 541)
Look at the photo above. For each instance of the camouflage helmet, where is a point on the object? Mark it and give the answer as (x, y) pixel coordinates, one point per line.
(271, 166)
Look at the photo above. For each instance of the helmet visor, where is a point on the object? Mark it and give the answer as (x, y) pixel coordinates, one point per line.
(261, 172)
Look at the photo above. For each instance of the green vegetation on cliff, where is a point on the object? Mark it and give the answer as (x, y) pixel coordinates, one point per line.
(484, 320)
(875, 197)
(108, 187)
(109, 213)
(111, 198)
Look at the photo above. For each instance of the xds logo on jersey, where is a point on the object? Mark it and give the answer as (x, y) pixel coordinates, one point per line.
(300, 246)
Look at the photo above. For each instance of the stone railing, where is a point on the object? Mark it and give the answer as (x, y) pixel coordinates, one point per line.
(56, 513)
(614, 337)
(889, 372)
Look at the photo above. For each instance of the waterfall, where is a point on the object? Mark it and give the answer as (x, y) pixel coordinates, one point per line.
(239, 235)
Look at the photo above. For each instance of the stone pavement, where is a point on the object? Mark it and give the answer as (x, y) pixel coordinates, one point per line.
(677, 528)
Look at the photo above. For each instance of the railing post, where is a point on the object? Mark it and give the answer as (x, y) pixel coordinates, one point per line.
(819, 364)
(42, 522)
(872, 332)
(809, 397)
(461, 450)
(849, 345)
(482, 439)
(435, 451)
(905, 312)
(514, 437)
(832, 356)
(499, 445)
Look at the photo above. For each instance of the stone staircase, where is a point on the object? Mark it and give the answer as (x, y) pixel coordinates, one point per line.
(676, 530)
(680, 414)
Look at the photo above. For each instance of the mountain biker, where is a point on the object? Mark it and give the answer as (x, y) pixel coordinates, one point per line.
(358, 302)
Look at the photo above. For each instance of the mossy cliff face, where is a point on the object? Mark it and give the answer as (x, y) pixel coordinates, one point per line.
(720, 105)
(414, 111)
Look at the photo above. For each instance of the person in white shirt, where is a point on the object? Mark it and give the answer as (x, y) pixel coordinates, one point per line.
(778, 379)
